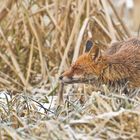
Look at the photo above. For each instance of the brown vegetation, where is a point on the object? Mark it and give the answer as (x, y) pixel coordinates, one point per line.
(41, 38)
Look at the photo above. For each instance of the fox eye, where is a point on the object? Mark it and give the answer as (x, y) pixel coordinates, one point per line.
(77, 69)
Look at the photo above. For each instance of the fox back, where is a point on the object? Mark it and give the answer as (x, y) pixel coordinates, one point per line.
(117, 65)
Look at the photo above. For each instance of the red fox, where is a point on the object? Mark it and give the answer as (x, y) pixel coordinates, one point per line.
(118, 65)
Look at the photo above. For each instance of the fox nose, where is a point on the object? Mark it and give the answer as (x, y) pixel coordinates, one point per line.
(61, 77)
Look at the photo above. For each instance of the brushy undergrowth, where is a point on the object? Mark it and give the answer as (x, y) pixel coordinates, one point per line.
(108, 116)
(41, 38)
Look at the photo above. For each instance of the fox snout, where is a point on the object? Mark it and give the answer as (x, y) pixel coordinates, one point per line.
(61, 77)
(67, 76)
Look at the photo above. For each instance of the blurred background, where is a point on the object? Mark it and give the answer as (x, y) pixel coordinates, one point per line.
(40, 39)
(128, 10)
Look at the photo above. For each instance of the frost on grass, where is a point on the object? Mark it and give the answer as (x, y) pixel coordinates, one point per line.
(100, 117)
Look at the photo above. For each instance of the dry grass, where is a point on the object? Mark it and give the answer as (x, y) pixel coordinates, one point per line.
(39, 39)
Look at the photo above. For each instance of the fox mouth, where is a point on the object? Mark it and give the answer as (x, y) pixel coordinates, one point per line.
(72, 80)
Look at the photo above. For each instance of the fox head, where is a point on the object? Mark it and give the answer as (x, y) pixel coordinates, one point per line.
(88, 66)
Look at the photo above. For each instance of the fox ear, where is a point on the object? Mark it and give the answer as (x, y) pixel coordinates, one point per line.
(95, 53)
(89, 45)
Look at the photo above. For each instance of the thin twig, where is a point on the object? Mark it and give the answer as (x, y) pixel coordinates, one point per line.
(71, 37)
(111, 29)
(45, 109)
(79, 40)
(119, 19)
(60, 93)
(6, 8)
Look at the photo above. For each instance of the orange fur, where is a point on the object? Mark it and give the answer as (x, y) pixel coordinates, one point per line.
(121, 62)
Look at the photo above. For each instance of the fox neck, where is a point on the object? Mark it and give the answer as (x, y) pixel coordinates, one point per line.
(113, 75)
